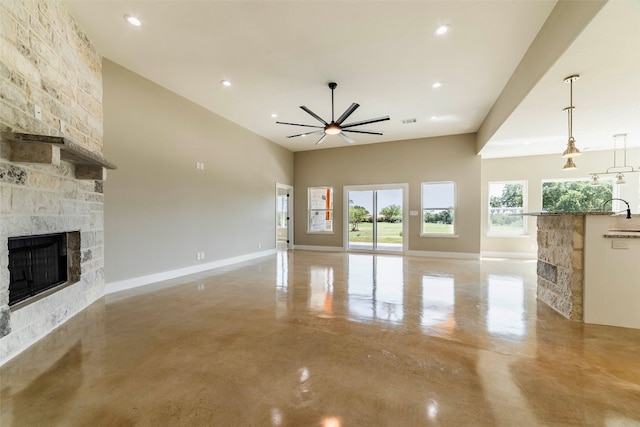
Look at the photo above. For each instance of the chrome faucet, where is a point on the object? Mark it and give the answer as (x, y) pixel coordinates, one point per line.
(627, 203)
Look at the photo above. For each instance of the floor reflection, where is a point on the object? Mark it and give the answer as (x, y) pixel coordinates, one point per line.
(336, 339)
(506, 305)
(62, 380)
(438, 300)
(321, 289)
(282, 283)
(381, 288)
(375, 287)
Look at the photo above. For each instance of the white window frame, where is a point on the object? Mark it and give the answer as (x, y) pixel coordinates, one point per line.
(525, 200)
(315, 210)
(453, 208)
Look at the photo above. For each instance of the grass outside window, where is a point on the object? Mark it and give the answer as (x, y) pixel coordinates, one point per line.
(387, 233)
(434, 228)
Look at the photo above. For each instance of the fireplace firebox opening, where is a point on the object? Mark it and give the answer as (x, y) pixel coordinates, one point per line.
(39, 265)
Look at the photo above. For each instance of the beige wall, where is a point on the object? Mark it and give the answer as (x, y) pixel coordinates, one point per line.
(535, 169)
(159, 209)
(449, 158)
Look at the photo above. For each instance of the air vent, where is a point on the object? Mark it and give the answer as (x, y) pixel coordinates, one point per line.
(407, 121)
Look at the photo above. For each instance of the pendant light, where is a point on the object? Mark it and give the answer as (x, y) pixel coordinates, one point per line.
(569, 165)
(620, 166)
(572, 150)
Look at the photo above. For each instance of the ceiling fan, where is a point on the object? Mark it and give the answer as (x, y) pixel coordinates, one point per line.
(335, 127)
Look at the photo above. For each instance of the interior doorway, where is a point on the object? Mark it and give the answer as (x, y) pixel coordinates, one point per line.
(284, 217)
(375, 217)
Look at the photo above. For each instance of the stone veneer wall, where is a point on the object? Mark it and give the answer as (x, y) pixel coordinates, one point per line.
(46, 60)
(560, 263)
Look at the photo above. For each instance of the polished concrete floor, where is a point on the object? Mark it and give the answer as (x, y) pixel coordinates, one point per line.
(329, 339)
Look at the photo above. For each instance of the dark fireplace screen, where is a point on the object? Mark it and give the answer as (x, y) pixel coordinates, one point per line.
(36, 263)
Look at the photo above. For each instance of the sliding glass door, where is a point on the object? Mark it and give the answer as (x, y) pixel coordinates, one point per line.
(361, 229)
(375, 219)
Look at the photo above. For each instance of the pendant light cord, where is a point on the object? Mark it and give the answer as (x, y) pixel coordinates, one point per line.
(570, 109)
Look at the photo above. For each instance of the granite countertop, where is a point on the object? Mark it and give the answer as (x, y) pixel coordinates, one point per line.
(568, 213)
(612, 234)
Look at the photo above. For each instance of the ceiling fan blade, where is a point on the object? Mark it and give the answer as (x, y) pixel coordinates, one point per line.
(346, 138)
(298, 124)
(347, 113)
(314, 115)
(366, 122)
(321, 139)
(305, 134)
(368, 132)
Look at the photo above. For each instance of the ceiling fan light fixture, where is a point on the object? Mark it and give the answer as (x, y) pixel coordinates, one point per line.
(569, 165)
(336, 126)
(332, 129)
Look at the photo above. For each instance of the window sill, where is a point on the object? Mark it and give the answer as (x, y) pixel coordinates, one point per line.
(320, 232)
(509, 236)
(446, 236)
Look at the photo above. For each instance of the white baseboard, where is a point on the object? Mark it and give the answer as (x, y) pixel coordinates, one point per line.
(514, 255)
(435, 254)
(167, 275)
(319, 248)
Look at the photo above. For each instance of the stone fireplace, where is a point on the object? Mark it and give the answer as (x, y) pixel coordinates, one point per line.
(51, 165)
(40, 265)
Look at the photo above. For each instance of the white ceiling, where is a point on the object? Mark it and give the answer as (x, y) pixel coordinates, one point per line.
(384, 55)
(606, 97)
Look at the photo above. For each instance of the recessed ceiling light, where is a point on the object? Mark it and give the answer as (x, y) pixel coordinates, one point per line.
(226, 83)
(133, 20)
(442, 29)
(433, 117)
(436, 85)
(274, 115)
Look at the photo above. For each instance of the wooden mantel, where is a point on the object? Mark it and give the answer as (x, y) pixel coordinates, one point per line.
(32, 148)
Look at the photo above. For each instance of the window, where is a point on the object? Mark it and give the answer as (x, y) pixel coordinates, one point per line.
(575, 195)
(320, 201)
(438, 208)
(507, 200)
